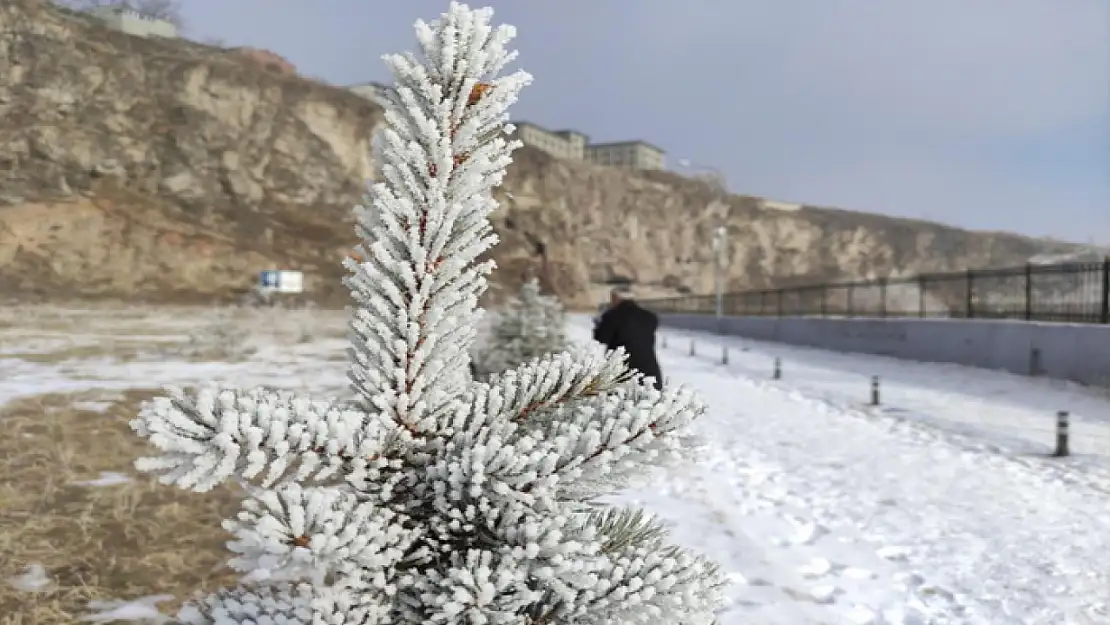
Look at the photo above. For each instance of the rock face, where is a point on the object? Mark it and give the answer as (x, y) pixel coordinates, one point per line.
(160, 170)
(267, 60)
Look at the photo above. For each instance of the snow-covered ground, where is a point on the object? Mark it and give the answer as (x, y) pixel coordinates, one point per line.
(994, 411)
(929, 509)
(275, 360)
(938, 507)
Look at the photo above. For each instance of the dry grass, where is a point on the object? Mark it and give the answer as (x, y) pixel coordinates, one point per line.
(124, 541)
(113, 542)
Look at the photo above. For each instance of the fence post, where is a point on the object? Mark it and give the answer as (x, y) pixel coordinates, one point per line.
(921, 296)
(776, 371)
(1104, 315)
(874, 390)
(824, 298)
(778, 301)
(1028, 291)
(848, 305)
(882, 297)
(970, 294)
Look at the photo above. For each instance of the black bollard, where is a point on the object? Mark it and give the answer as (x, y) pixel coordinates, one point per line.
(776, 374)
(1062, 434)
(724, 354)
(664, 341)
(693, 349)
(874, 390)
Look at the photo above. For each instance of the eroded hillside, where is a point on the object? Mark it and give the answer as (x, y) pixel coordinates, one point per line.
(165, 170)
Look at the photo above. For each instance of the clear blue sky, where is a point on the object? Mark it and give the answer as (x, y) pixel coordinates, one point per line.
(987, 114)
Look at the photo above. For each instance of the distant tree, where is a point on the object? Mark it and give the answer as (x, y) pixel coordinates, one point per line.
(169, 10)
(531, 326)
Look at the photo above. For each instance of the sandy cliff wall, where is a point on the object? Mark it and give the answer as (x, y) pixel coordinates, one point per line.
(154, 169)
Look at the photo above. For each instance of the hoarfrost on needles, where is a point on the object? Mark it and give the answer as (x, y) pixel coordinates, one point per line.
(432, 497)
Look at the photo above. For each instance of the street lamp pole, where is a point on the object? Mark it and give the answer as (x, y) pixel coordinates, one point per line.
(717, 180)
(719, 247)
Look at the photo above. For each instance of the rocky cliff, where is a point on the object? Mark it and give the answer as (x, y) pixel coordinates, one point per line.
(167, 170)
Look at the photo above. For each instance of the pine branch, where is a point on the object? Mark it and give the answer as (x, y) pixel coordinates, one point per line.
(216, 433)
(623, 528)
(521, 393)
(290, 604)
(329, 531)
(602, 443)
(667, 585)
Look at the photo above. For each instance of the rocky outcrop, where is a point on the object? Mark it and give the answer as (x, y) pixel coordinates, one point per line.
(166, 170)
(267, 60)
(156, 168)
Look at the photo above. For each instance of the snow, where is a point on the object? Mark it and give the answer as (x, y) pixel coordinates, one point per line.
(107, 478)
(990, 410)
(941, 505)
(931, 508)
(277, 365)
(93, 406)
(34, 579)
(143, 610)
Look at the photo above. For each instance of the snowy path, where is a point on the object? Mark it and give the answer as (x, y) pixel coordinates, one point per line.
(835, 513)
(982, 539)
(995, 411)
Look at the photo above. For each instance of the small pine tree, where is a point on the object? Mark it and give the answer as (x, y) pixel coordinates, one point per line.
(531, 325)
(432, 498)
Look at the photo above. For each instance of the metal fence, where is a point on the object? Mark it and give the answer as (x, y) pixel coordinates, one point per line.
(1076, 292)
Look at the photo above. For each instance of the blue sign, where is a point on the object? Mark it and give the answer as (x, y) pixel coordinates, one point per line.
(268, 279)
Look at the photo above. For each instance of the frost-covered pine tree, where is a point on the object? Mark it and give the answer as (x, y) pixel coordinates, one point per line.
(432, 498)
(530, 326)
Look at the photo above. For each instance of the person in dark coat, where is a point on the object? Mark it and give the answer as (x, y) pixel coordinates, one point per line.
(625, 324)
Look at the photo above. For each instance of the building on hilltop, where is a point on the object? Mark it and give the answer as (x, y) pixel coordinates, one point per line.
(132, 22)
(576, 146)
(567, 144)
(626, 155)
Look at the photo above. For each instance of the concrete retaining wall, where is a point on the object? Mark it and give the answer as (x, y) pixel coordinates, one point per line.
(1078, 352)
